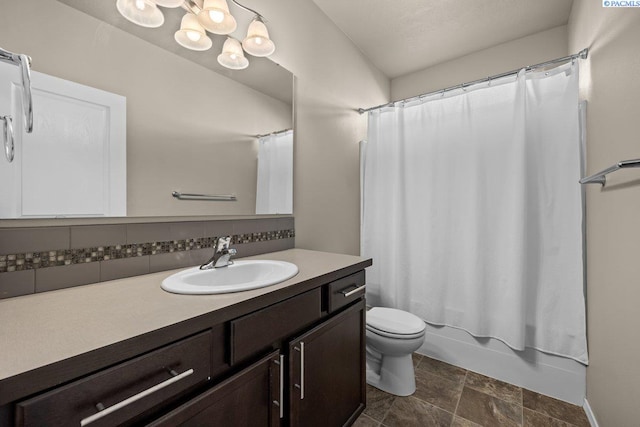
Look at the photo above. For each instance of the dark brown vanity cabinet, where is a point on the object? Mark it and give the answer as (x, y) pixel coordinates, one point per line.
(299, 360)
(327, 371)
(322, 373)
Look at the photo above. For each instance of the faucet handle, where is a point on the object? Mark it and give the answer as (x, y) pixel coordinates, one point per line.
(222, 243)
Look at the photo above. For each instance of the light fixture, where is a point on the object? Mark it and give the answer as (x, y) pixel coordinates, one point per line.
(169, 3)
(141, 12)
(215, 17)
(232, 55)
(257, 42)
(191, 34)
(203, 16)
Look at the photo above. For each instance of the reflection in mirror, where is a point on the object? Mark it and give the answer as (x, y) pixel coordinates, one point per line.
(190, 127)
(78, 131)
(275, 173)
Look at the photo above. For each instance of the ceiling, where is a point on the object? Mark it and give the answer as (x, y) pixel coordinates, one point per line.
(404, 36)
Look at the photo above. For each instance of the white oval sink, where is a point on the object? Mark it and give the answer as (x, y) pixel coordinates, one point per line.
(240, 276)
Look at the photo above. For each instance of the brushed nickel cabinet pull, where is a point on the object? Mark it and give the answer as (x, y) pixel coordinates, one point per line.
(134, 398)
(281, 386)
(280, 403)
(347, 294)
(301, 370)
(301, 385)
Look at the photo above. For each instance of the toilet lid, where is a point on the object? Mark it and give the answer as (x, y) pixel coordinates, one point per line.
(394, 321)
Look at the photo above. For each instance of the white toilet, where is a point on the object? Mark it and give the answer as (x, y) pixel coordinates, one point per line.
(392, 336)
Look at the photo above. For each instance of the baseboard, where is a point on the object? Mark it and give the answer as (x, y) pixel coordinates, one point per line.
(554, 376)
(590, 415)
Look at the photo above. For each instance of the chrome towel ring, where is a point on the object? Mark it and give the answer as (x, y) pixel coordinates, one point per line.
(7, 136)
(24, 62)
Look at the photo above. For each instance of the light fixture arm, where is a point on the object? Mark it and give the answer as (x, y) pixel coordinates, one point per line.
(192, 6)
(195, 6)
(260, 17)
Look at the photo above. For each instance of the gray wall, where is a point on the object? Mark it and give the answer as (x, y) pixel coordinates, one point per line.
(333, 79)
(610, 83)
(512, 55)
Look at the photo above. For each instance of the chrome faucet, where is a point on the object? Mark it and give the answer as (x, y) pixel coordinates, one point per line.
(221, 255)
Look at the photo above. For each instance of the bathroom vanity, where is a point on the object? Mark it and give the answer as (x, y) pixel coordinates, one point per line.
(126, 352)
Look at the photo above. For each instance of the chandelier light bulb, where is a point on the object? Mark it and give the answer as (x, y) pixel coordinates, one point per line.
(191, 34)
(257, 42)
(141, 12)
(232, 56)
(194, 35)
(215, 17)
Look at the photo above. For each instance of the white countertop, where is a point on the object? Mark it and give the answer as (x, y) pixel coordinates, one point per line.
(40, 329)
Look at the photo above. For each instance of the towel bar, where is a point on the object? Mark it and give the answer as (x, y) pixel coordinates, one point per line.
(210, 197)
(600, 177)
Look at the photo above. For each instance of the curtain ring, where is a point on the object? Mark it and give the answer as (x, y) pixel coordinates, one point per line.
(7, 135)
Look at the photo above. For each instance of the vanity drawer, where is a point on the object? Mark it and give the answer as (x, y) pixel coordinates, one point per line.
(346, 290)
(257, 331)
(125, 390)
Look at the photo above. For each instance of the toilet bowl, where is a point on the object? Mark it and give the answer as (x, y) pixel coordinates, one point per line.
(392, 336)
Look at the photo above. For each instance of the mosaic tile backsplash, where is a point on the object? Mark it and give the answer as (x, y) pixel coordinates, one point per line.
(43, 259)
(35, 260)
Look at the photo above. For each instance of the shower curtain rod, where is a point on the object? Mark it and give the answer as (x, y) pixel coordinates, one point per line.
(273, 133)
(580, 55)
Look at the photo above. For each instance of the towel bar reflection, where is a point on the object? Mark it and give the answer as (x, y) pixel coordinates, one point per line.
(209, 197)
(601, 177)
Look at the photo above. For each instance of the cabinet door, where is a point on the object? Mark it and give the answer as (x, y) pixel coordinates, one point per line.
(327, 371)
(251, 398)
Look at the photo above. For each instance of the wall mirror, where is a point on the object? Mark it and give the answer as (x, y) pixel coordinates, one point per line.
(192, 126)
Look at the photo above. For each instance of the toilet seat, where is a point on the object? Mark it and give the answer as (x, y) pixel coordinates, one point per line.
(395, 336)
(392, 323)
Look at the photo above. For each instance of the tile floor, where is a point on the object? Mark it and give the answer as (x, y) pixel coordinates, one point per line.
(449, 396)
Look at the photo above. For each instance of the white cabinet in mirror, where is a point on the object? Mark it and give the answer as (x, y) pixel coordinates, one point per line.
(73, 164)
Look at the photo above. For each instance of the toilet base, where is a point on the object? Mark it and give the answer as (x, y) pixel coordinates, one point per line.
(396, 376)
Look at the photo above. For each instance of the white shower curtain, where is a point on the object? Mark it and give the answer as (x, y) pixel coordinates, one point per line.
(274, 193)
(472, 211)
